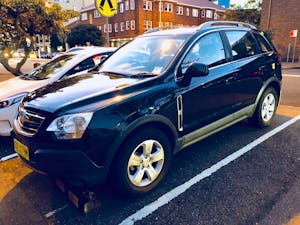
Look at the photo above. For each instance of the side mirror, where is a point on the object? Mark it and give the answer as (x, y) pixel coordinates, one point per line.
(196, 70)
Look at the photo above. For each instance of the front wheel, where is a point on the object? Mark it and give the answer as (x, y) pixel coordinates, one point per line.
(142, 162)
(266, 108)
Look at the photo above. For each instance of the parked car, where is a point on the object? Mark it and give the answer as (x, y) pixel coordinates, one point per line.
(63, 66)
(160, 93)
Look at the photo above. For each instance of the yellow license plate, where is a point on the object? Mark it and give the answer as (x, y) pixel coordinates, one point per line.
(21, 149)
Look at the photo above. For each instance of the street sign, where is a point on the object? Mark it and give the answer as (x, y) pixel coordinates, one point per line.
(293, 33)
(106, 8)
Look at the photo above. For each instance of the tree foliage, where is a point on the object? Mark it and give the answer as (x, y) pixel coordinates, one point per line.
(85, 33)
(248, 13)
(21, 20)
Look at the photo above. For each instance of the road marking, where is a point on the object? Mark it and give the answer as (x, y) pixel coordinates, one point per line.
(166, 198)
(290, 75)
(49, 214)
(8, 157)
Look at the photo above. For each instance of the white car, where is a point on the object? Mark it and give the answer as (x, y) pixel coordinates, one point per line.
(62, 66)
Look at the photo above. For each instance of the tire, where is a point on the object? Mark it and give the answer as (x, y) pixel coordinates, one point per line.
(266, 108)
(141, 163)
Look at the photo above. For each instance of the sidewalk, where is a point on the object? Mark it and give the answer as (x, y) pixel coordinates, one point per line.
(290, 65)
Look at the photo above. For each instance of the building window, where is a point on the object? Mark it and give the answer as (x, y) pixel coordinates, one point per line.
(187, 11)
(160, 6)
(84, 16)
(96, 14)
(132, 5)
(168, 24)
(179, 10)
(215, 16)
(203, 13)
(122, 26)
(127, 24)
(147, 24)
(109, 28)
(127, 5)
(147, 5)
(132, 24)
(116, 27)
(168, 7)
(99, 27)
(195, 12)
(121, 7)
(209, 14)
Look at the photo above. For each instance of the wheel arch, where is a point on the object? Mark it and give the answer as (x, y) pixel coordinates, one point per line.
(157, 121)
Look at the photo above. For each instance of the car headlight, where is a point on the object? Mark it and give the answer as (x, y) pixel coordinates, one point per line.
(70, 126)
(12, 100)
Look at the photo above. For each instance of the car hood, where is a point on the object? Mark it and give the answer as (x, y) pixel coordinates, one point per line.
(17, 85)
(70, 91)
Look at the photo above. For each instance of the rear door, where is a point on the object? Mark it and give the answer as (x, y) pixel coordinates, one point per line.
(248, 64)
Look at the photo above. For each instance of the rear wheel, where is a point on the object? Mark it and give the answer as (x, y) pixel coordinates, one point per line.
(266, 108)
(142, 162)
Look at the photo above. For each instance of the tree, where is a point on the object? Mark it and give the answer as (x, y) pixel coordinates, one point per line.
(248, 13)
(21, 20)
(84, 34)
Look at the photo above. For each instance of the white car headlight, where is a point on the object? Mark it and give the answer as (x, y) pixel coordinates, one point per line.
(12, 100)
(70, 126)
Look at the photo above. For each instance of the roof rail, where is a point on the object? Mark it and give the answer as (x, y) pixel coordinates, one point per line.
(161, 28)
(225, 23)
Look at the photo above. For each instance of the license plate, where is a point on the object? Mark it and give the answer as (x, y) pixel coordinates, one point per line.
(21, 149)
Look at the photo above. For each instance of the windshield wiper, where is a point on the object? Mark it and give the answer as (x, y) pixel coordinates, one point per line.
(144, 74)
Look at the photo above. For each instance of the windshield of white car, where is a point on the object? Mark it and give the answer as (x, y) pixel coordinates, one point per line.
(50, 68)
(144, 55)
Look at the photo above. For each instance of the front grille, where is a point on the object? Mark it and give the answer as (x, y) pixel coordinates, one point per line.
(29, 120)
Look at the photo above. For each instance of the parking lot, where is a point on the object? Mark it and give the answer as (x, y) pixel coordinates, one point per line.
(241, 175)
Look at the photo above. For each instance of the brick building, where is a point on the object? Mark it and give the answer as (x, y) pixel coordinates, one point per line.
(280, 17)
(134, 17)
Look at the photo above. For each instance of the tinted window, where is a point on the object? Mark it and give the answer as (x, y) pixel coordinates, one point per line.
(208, 50)
(50, 68)
(264, 45)
(242, 44)
(84, 65)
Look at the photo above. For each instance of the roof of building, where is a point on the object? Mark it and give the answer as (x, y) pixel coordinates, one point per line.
(201, 4)
(193, 3)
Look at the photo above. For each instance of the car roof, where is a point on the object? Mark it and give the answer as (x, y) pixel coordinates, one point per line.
(207, 26)
(92, 51)
(91, 48)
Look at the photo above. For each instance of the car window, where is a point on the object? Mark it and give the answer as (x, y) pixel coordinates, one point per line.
(242, 44)
(264, 45)
(148, 54)
(208, 50)
(85, 64)
(50, 68)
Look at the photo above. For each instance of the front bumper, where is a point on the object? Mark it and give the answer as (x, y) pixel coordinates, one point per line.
(7, 116)
(67, 161)
(72, 166)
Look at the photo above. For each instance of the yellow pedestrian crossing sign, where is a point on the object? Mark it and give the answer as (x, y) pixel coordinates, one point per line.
(106, 7)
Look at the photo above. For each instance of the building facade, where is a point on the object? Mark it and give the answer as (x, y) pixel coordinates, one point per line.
(134, 17)
(280, 17)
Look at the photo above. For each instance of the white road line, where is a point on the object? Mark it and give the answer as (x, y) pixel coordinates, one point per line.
(49, 214)
(166, 198)
(5, 158)
(290, 75)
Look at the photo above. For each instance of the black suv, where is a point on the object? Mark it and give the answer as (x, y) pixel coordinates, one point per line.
(161, 92)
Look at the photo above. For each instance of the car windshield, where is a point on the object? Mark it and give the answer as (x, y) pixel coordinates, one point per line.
(48, 69)
(144, 56)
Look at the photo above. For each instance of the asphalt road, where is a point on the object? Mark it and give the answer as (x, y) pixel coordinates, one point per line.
(260, 186)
